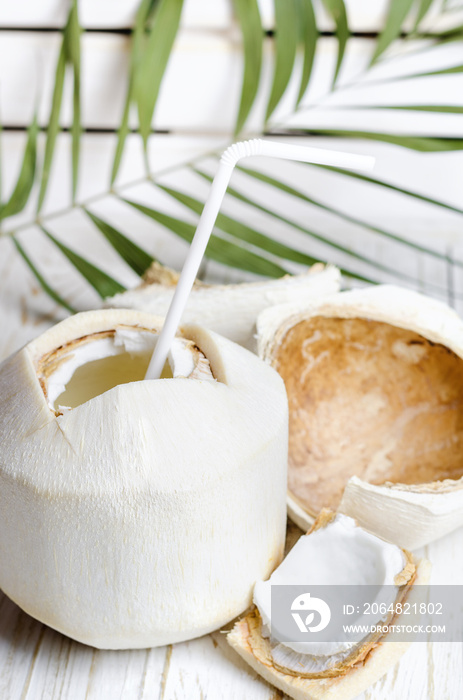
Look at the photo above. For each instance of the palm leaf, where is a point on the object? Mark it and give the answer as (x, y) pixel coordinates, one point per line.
(391, 186)
(235, 244)
(324, 239)
(154, 60)
(410, 76)
(242, 232)
(53, 124)
(337, 10)
(248, 15)
(425, 144)
(308, 39)
(450, 34)
(286, 38)
(440, 109)
(101, 282)
(241, 197)
(135, 58)
(423, 10)
(138, 259)
(288, 189)
(398, 11)
(69, 54)
(72, 47)
(20, 195)
(40, 278)
(218, 249)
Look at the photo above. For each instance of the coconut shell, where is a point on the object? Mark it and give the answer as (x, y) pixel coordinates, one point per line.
(375, 388)
(228, 309)
(144, 515)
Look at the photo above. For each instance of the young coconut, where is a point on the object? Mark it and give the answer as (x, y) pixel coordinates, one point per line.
(138, 513)
(375, 388)
(336, 552)
(228, 309)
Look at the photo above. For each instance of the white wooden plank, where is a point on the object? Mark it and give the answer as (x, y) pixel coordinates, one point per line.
(201, 669)
(108, 14)
(202, 85)
(364, 15)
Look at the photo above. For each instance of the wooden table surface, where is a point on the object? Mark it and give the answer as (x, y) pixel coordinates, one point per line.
(37, 662)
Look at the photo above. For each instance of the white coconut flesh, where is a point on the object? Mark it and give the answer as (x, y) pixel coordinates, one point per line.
(89, 366)
(336, 552)
(367, 399)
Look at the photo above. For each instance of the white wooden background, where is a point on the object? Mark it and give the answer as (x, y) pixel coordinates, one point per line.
(197, 107)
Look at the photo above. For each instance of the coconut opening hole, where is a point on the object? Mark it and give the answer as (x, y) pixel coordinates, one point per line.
(98, 376)
(368, 399)
(89, 366)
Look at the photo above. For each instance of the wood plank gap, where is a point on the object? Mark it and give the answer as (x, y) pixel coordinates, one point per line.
(84, 130)
(165, 672)
(34, 659)
(90, 673)
(145, 671)
(127, 31)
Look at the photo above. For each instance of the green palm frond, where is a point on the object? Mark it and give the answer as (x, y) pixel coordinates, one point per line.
(102, 283)
(155, 55)
(308, 41)
(69, 55)
(135, 60)
(20, 195)
(247, 12)
(337, 10)
(156, 26)
(137, 258)
(53, 294)
(286, 39)
(398, 12)
(219, 248)
(424, 144)
(238, 242)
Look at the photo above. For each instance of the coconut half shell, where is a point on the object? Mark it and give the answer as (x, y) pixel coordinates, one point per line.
(370, 659)
(375, 386)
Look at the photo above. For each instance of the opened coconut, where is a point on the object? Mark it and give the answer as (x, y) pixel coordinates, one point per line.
(138, 513)
(375, 388)
(228, 309)
(336, 555)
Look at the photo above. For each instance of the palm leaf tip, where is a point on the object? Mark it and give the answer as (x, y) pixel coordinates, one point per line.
(153, 61)
(397, 13)
(308, 39)
(102, 283)
(337, 11)
(26, 178)
(286, 40)
(137, 258)
(40, 278)
(219, 249)
(247, 12)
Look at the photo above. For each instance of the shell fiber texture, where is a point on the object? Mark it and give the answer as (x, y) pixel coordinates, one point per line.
(375, 388)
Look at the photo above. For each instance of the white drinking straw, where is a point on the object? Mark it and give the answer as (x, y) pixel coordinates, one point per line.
(229, 159)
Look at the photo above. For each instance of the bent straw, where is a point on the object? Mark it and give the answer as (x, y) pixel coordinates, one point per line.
(229, 159)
